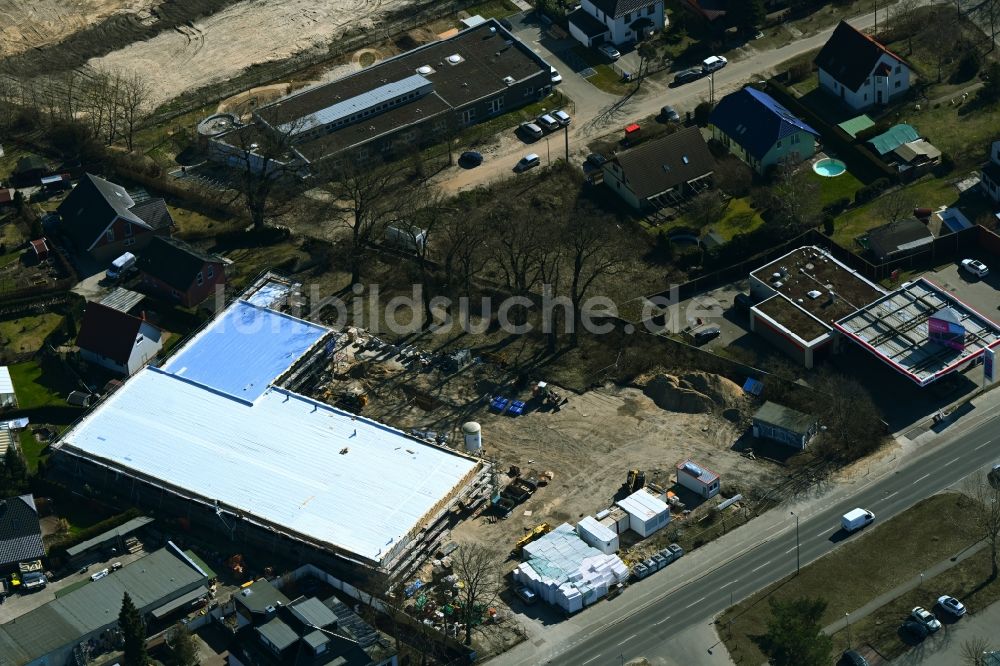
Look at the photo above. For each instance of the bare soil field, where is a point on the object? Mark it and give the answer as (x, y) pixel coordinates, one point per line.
(29, 25)
(220, 46)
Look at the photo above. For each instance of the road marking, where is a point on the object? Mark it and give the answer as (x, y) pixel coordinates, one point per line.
(823, 533)
(790, 549)
(953, 460)
(761, 566)
(592, 659)
(920, 479)
(656, 624)
(728, 584)
(695, 603)
(982, 445)
(628, 639)
(895, 492)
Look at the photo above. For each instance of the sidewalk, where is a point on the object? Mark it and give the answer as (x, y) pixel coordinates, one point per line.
(902, 589)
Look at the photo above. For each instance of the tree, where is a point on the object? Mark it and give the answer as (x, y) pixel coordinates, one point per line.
(895, 205)
(479, 568)
(15, 472)
(595, 250)
(795, 635)
(707, 208)
(266, 165)
(905, 21)
(794, 199)
(990, 92)
(746, 15)
(133, 633)
(988, 12)
(853, 423)
(985, 509)
(974, 651)
(183, 649)
(133, 104)
(647, 52)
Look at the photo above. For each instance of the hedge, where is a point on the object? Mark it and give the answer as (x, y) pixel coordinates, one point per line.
(862, 164)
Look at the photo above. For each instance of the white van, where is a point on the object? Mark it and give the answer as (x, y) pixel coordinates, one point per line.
(99, 575)
(121, 266)
(855, 519)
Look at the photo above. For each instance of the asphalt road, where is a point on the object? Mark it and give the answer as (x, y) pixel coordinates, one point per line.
(641, 632)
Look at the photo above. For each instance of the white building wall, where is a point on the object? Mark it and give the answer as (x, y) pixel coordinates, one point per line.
(867, 94)
(147, 346)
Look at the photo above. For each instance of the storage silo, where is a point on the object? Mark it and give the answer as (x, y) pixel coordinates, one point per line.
(473, 437)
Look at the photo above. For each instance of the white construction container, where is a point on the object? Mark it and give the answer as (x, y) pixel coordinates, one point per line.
(616, 520)
(646, 513)
(473, 436)
(597, 535)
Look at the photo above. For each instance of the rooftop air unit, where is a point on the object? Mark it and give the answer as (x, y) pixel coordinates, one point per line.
(509, 80)
(454, 59)
(424, 70)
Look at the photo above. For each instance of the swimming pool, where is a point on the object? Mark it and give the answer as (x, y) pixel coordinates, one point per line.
(829, 167)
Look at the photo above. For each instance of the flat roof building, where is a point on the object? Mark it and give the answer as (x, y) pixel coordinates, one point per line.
(921, 331)
(647, 513)
(257, 454)
(799, 297)
(399, 104)
(783, 424)
(698, 479)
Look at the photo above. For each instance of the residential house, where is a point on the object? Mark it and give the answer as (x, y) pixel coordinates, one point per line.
(860, 71)
(661, 172)
(175, 270)
(760, 131)
(29, 170)
(101, 219)
(117, 341)
(712, 10)
(783, 424)
(990, 179)
(597, 22)
(20, 533)
(897, 239)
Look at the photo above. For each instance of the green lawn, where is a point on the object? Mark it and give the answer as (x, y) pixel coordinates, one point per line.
(839, 187)
(964, 136)
(27, 333)
(606, 78)
(933, 530)
(740, 218)
(929, 193)
(31, 448)
(493, 9)
(10, 237)
(193, 224)
(36, 387)
(63, 591)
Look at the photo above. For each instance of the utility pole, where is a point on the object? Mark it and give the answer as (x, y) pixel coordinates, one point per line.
(847, 617)
(566, 137)
(798, 559)
(876, 18)
(711, 87)
(548, 153)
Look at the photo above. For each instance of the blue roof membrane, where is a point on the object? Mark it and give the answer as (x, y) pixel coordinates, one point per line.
(244, 350)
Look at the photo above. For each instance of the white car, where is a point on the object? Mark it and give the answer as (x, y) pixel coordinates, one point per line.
(527, 162)
(610, 51)
(713, 63)
(926, 618)
(556, 76)
(952, 605)
(975, 267)
(547, 122)
(562, 117)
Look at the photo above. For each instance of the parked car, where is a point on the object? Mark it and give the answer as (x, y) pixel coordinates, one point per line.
(914, 630)
(855, 519)
(470, 158)
(951, 605)
(556, 76)
(531, 130)
(526, 594)
(527, 162)
(610, 51)
(562, 117)
(926, 618)
(547, 122)
(121, 267)
(713, 63)
(853, 658)
(975, 267)
(688, 75)
(595, 160)
(703, 335)
(34, 580)
(670, 113)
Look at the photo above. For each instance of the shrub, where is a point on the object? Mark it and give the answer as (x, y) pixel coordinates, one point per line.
(702, 112)
(799, 71)
(828, 225)
(837, 207)
(946, 166)
(968, 66)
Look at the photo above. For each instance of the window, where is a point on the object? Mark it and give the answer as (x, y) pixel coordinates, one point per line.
(866, 97)
(795, 138)
(528, 92)
(467, 116)
(210, 272)
(199, 279)
(778, 144)
(899, 83)
(129, 242)
(128, 229)
(496, 105)
(899, 68)
(110, 235)
(651, 10)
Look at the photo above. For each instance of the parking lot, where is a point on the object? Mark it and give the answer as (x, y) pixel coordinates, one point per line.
(981, 294)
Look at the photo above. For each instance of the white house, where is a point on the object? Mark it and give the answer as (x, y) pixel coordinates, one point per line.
(860, 71)
(116, 340)
(990, 181)
(596, 22)
(7, 397)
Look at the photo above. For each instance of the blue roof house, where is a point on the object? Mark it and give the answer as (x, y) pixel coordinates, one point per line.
(761, 132)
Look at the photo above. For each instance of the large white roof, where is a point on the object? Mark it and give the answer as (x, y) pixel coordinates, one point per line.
(6, 385)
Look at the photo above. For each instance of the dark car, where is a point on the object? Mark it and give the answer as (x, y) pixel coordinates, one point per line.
(914, 630)
(595, 160)
(703, 335)
(670, 113)
(688, 75)
(470, 158)
(742, 302)
(852, 658)
(506, 24)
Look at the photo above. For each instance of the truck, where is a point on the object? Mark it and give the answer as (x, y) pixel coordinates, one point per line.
(855, 519)
(121, 266)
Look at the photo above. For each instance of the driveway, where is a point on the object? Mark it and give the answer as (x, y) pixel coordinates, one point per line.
(981, 294)
(983, 624)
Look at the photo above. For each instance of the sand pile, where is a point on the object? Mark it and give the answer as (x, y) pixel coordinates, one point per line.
(694, 393)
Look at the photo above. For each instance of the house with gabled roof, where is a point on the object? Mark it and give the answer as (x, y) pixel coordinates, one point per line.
(20, 532)
(101, 219)
(760, 131)
(663, 171)
(116, 340)
(859, 70)
(175, 270)
(596, 22)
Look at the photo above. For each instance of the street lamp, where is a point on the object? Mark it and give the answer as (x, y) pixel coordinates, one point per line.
(847, 618)
(548, 154)
(798, 559)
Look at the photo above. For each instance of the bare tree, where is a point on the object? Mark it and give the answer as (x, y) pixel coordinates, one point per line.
(516, 249)
(985, 509)
(596, 250)
(988, 13)
(265, 163)
(133, 104)
(895, 205)
(905, 20)
(463, 241)
(974, 651)
(478, 567)
(706, 208)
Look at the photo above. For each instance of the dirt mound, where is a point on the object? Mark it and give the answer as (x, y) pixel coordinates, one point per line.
(693, 393)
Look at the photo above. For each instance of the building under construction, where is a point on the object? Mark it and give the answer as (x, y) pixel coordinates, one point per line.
(219, 434)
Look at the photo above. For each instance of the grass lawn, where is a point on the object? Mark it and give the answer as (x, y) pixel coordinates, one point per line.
(965, 581)
(192, 224)
(838, 187)
(27, 333)
(486, 132)
(930, 193)
(964, 136)
(606, 78)
(493, 9)
(249, 262)
(32, 449)
(63, 591)
(929, 532)
(740, 218)
(36, 387)
(10, 237)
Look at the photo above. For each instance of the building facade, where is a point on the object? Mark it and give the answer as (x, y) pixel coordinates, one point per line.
(597, 22)
(860, 71)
